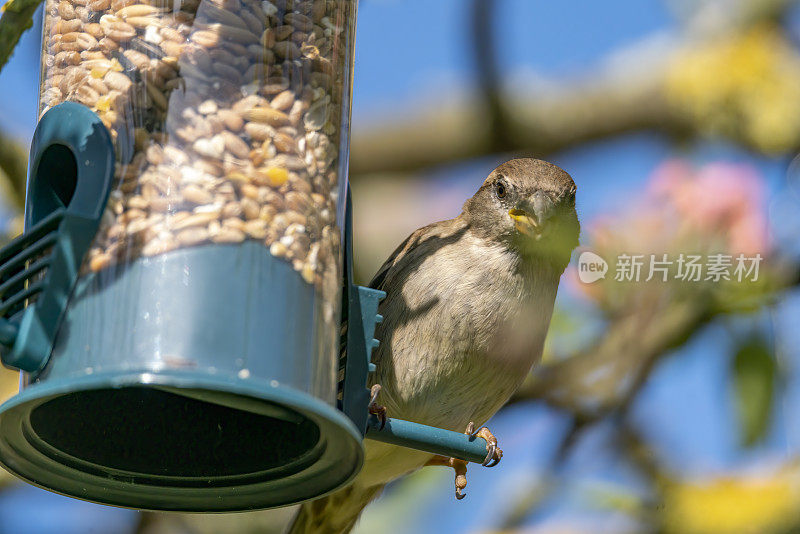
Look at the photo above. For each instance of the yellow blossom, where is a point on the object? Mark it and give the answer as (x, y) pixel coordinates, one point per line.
(732, 505)
(741, 85)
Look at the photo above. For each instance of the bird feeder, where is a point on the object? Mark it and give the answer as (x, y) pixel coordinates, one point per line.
(175, 302)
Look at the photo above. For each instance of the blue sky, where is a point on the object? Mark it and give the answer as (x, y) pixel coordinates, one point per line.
(415, 52)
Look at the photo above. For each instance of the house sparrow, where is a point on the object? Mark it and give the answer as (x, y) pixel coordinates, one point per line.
(468, 303)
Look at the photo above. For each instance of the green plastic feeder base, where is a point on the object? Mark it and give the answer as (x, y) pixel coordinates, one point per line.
(188, 382)
(177, 451)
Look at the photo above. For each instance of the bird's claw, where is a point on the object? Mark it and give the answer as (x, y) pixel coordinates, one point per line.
(493, 457)
(375, 408)
(460, 468)
(493, 453)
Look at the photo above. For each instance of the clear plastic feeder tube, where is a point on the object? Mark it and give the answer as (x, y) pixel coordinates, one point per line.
(230, 122)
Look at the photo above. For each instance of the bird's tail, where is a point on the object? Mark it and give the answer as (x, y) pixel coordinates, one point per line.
(336, 513)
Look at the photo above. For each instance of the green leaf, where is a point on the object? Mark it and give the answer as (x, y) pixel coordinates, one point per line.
(754, 375)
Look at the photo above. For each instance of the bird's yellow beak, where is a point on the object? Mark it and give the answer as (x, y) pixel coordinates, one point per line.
(525, 223)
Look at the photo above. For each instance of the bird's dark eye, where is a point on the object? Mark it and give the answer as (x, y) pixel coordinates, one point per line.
(500, 190)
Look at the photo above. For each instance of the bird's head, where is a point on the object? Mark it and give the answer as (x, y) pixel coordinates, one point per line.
(529, 206)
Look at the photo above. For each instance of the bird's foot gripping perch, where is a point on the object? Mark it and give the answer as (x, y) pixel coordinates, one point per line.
(493, 457)
(374, 407)
(493, 453)
(459, 466)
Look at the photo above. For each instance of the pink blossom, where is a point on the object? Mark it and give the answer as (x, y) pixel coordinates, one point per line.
(682, 206)
(723, 199)
(718, 208)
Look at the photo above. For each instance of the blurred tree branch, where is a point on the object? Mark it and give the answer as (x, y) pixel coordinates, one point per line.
(604, 379)
(606, 376)
(484, 44)
(13, 167)
(540, 126)
(17, 17)
(601, 383)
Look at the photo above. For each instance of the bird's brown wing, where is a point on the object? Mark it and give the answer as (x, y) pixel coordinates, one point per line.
(419, 236)
(402, 263)
(379, 282)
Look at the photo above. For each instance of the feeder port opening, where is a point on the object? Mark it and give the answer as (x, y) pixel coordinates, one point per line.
(147, 432)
